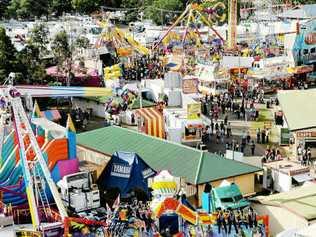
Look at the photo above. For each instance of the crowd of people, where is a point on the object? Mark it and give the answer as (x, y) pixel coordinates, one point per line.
(143, 67)
(304, 155)
(271, 154)
(226, 219)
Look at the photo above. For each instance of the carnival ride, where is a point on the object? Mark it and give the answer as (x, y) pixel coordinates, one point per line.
(29, 161)
(208, 13)
(123, 42)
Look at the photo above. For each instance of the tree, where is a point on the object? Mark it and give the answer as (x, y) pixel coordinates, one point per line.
(8, 59)
(3, 7)
(31, 67)
(82, 42)
(39, 38)
(60, 6)
(131, 15)
(161, 17)
(28, 8)
(62, 53)
(86, 6)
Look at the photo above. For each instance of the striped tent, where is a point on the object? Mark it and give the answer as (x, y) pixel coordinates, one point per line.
(152, 122)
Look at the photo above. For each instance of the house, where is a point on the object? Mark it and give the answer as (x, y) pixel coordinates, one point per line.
(195, 167)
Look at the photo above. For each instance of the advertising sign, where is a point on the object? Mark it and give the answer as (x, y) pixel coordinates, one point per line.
(194, 111)
(190, 86)
(120, 170)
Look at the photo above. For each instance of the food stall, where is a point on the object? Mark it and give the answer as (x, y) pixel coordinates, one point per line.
(212, 80)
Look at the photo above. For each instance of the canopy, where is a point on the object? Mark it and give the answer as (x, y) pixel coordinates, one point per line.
(301, 69)
(55, 129)
(153, 122)
(126, 171)
(303, 177)
(52, 115)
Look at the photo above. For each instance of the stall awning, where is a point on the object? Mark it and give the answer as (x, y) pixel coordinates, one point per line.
(52, 115)
(303, 177)
(301, 69)
(154, 122)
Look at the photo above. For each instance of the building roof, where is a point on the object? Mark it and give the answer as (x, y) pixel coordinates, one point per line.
(182, 161)
(299, 108)
(301, 201)
(301, 12)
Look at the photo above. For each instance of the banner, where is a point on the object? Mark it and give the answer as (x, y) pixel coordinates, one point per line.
(190, 86)
(194, 111)
(122, 171)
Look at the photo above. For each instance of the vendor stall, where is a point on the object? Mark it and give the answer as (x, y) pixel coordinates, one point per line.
(212, 80)
(284, 175)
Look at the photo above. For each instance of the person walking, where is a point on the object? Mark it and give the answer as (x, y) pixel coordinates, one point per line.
(309, 156)
(209, 133)
(258, 135)
(252, 147)
(218, 136)
(221, 222)
(248, 137)
(222, 126)
(267, 135)
(225, 119)
(232, 221)
(228, 130)
(263, 136)
(252, 218)
(216, 127)
(241, 218)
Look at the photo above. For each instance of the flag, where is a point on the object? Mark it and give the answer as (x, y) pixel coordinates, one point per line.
(36, 111)
(70, 125)
(116, 202)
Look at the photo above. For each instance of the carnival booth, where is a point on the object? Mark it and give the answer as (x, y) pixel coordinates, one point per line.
(183, 129)
(283, 175)
(150, 121)
(212, 79)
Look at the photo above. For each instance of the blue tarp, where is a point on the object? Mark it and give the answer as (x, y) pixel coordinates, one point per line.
(126, 171)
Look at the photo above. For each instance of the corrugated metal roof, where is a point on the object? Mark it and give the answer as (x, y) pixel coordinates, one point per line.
(299, 108)
(301, 201)
(302, 12)
(182, 161)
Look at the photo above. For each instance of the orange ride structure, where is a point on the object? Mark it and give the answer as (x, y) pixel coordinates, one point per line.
(208, 13)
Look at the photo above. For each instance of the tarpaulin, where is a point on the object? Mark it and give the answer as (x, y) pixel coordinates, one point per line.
(153, 122)
(52, 115)
(126, 171)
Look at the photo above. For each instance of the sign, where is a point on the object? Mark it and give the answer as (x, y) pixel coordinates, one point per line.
(190, 86)
(267, 124)
(148, 173)
(193, 111)
(122, 171)
(306, 134)
(310, 38)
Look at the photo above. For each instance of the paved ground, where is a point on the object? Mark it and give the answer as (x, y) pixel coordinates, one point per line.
(238, 128)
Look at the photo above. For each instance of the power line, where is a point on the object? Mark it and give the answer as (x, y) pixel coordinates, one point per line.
(138, 8)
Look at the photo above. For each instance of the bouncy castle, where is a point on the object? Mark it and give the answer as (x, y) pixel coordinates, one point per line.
(58, 145)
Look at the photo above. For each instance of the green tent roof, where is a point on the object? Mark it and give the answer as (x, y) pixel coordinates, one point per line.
(182, 161)
(136, 104)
